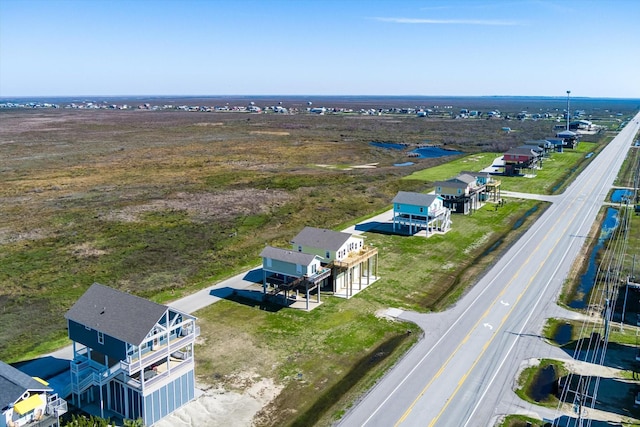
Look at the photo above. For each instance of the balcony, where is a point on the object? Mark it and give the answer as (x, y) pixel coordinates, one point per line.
(158, 377)
(319, 276)
(135, 364)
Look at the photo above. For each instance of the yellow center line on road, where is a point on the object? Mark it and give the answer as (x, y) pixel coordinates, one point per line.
(486, 346)
(446, 363)
(504, 319)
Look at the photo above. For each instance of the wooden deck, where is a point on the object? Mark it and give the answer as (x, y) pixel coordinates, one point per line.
(364, 254)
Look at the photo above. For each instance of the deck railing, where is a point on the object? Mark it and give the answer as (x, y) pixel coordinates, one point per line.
(356, 257)
(133, 364)
(157, 378)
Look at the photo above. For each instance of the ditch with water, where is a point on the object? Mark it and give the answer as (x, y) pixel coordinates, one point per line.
(582, 293)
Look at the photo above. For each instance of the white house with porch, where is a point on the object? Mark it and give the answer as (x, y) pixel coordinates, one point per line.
(353, 265)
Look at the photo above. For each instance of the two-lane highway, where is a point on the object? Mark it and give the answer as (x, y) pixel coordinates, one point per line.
(457, 377)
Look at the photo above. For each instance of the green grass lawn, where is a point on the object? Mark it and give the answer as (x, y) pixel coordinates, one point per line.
(425, 274)
(471, 162)
(556, 172)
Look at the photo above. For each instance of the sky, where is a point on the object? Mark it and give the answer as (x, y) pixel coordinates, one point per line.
(321, 47)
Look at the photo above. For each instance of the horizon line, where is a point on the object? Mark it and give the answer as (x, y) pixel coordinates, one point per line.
(306, 95)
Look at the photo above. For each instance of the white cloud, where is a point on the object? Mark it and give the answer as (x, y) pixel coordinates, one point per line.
(445, 21)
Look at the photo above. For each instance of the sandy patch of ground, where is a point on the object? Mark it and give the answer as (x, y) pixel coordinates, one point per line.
(10, 236)
(31, 124)
(87, 250)
(366, 166)
(209, 124)
(389, 313)
(226, 204)
(219, 407)
(481, 241)
(268, 132)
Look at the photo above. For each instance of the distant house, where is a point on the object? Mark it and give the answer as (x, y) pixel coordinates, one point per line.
(351, 262)
(461, 194)
(285, 270)
(419, 211)
(519, 158)
(557, 144)
(581, 125)
(544, 144)
(539, 152)
(490, 184)
(26, 400)
(131, 356)
(570, 138)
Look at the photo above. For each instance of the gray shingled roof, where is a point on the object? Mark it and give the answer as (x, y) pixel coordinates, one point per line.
(460, 181)
(465, 177)
(321, 238)
(13, 384)
(534, 148)
(118, 314)
(287, 255)
(522, 151)
(566, 134)
(476, 174)
(415, 199)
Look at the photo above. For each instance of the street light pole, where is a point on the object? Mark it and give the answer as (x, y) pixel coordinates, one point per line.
(568, 93)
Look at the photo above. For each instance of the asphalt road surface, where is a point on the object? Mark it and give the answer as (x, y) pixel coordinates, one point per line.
(462, 373)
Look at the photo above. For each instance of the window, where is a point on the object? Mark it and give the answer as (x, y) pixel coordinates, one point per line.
(298, 268)
(299, 248)
(100, 338)
(269, 262)
(327, 255)
(439, 189)
(421, 210)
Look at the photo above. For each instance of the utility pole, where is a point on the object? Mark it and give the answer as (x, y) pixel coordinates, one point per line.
(580, 395)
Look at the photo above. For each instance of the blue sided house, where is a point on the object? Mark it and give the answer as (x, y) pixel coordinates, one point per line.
(131, 357)
(419, 211)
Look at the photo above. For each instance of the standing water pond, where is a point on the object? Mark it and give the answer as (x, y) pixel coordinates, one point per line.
(426, 152)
